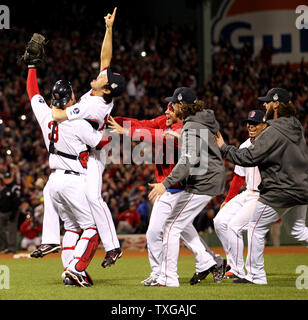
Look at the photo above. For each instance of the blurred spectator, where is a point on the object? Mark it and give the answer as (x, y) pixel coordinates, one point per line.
(143, 210)
(9, 205)
(129, 220)
(30, 229)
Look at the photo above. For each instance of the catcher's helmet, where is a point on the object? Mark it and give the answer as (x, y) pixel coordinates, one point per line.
(61, 93)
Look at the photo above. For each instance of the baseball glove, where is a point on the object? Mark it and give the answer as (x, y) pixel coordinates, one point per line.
(35, 50)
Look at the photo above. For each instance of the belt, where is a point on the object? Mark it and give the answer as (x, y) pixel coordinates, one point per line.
(67, 171)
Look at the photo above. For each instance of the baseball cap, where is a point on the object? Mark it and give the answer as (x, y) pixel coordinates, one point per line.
(276, 94)
(256, 116)
(183, 94)
(116, 83)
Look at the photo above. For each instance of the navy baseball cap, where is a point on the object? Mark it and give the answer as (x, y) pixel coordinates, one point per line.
(276, 94)
(257, 116)
(183, 94)
(116, 83)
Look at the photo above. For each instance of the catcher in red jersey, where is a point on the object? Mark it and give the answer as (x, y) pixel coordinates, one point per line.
(163, 133)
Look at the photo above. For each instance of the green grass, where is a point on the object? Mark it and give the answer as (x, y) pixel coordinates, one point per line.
(39, 279)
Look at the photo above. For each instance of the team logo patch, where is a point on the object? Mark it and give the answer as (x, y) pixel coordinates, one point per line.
(76, 111)
(252, 114)
(114, 85)
(275, 97)
(180, 97)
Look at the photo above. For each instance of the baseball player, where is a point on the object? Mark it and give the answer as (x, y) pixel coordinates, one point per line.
(280, 152)
(96, 106)
(236, 210)
(64, 193)
(163, 133)
(201, 184)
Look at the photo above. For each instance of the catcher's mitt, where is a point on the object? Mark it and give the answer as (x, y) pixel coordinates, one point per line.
(35, 49)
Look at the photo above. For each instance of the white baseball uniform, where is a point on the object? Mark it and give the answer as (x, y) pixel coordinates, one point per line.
(233, 218)
(180, 220)
(93, 108)
(161, 209)
(64, 193)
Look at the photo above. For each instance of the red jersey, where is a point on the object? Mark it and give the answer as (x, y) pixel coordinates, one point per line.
(165, 147)
(28, 231)
(131, 216)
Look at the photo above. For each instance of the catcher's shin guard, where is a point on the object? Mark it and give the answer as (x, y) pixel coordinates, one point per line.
(69, 242)
(85, 250)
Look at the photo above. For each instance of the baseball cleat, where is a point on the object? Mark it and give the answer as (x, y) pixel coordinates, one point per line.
(242, 280)
(230, 275)
(156, 284)
(219, 272)
(77, 278)
(198, 276)
(88, 278)
(45, 249)
(148, 281)
(111, 257)
(69, 282)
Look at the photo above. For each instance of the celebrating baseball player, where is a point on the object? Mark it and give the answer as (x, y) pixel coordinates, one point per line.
(95, 106)
(237, 209)
(201, 184)
(64, 193)
(163, 133)
(281, 154)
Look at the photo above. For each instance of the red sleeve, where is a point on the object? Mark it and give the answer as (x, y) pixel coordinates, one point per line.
(152, 135)
(24, 228)
(32, 87)
(120, 120)
(105, 140)
(154, 123)
(147, 134)
(235, 186)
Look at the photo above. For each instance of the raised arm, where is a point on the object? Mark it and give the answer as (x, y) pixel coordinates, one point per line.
(106, 51)
(32, 86)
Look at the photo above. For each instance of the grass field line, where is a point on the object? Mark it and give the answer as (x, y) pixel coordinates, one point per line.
(184, 252)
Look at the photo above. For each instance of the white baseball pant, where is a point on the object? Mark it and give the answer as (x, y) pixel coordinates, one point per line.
(294, 220)
(161, 209)
(99, 208)
(68, 198)
(68, 192)
(230, 222)
(183, 214)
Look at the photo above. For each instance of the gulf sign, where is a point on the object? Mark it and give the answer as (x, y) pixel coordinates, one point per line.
(280, 24)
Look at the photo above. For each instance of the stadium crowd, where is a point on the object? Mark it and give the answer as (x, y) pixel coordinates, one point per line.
(153, 63)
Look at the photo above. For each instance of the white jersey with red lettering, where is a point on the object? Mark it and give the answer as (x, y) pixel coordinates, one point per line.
(251, 174)
(96, 109)
(91, 107)
(69, 137)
